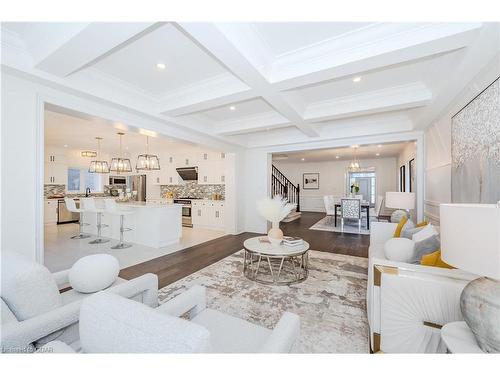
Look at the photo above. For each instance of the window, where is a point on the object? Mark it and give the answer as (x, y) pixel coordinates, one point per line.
(93, 181)
(73, 179)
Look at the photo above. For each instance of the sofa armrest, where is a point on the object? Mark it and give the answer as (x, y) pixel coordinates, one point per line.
(381, 232)
(284, 335)
(143, 288)
(61, 278)
(18, 336)
(192, 301)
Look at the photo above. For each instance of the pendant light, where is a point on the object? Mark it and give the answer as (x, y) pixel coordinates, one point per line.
(147, 161)
(98, 166)
(354, 166)
(88, 154)
(120, 165)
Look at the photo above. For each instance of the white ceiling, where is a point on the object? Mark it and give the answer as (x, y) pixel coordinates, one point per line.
(384, 150)
(289, 82)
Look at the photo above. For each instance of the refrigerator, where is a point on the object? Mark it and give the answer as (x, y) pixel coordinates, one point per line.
(138, 183)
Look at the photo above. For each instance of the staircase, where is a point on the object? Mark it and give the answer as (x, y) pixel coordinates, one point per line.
(280, 185)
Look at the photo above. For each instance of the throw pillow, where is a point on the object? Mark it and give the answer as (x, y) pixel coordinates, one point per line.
(424, 247)
(422, 224)
(426, 232)
(409, 230)
(399, 228)
(93, 273)
(399, 249)
(434, 260)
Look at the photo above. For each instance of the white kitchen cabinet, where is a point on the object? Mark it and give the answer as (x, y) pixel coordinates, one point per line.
(56, 173)
(208, 214)
(50, 211)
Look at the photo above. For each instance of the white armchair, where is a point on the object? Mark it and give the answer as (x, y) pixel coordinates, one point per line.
(408, 303)
(112, 324)
(35, 312)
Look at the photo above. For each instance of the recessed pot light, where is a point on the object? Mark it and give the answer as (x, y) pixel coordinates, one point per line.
(161, 66)
(377, 154)
(379, 146)
(303, 159)
(232, 108)
(356, 79)
(336, 157)
(65, 145)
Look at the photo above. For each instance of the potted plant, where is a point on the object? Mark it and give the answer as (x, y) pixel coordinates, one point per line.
(354, 188)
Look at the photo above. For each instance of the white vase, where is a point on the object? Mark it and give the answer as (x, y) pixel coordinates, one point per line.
(275, 234)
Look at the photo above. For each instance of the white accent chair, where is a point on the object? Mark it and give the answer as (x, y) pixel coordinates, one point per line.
(350, 208)
(35, 312)
(408, 303)
(71, 206)
(112, 324)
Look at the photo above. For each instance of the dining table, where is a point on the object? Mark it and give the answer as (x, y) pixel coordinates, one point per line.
(364, 206)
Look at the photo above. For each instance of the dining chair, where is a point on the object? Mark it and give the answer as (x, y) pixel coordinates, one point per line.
(350, 209)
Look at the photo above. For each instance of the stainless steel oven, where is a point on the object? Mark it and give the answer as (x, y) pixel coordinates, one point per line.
(187, 220)
(117, 180)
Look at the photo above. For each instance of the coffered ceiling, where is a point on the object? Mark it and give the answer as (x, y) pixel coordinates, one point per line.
(262, 84)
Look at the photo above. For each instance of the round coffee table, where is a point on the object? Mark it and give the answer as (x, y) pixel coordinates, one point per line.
(284, 265)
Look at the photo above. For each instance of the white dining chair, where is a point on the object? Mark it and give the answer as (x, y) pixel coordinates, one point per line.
(350, 209)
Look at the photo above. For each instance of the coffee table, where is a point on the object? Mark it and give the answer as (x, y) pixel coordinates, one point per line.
(284, 265)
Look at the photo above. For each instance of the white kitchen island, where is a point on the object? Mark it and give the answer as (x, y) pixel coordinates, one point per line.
(152, 224)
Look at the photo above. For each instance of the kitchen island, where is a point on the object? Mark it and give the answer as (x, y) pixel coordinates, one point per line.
(152, 224)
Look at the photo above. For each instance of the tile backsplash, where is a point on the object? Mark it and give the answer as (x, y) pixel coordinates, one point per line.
(193, 189)
(49, 190)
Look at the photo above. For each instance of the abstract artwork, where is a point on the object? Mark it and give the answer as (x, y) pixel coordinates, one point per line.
(310, 180)
(475, 149)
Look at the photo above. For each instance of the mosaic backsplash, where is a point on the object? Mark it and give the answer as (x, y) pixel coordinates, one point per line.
(49, 190)
(194, 190)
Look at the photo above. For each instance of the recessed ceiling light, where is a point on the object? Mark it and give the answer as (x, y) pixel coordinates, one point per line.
(232, 108)
(303, 159)
(336, 157)
(379, 146)
(65, 145)
(161, 66)
(356, 79)
(354, 146)
(377, 154)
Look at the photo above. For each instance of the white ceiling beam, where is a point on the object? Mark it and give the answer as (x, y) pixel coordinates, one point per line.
(90, 44)
(218, 44)
(390, 99)
(251, 124)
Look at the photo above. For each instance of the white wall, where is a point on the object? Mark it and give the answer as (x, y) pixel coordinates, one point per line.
(332, 175)
(438, 143)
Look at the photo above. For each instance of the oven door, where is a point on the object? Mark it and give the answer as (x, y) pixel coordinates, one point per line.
(186, 216)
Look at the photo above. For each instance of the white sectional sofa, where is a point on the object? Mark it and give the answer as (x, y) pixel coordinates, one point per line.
(407, 304)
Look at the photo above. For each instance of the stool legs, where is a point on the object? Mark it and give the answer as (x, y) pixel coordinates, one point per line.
(121, 244)
(80, 234)
(99, 238)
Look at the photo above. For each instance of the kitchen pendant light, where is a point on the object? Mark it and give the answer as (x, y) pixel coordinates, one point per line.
(354, 165)
(88, 154)
(98, 166)
(120, 165)
(147, 161)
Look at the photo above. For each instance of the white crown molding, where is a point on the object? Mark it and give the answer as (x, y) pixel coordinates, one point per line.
(394, 98)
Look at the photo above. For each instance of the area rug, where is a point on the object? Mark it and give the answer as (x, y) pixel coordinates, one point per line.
(330, 303)
(350, 226)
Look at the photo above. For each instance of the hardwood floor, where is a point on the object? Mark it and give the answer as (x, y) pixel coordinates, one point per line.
(332, 242)
(173, 267)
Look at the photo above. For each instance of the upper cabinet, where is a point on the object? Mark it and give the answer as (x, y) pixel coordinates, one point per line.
(212, 168)
(56, 168)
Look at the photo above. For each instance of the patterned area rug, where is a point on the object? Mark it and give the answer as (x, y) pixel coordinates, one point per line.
(350, 226)
(330, 303)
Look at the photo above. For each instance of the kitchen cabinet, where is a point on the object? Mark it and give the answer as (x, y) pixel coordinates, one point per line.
(208, 214)
(50, 211)
(212, 170)
(56, 173)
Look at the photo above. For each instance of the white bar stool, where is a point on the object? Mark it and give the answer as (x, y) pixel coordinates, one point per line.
(71, 206)
(113, 209)
(89, 206)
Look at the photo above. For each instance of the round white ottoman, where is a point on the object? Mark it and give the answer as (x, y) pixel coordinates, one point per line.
(93, 273)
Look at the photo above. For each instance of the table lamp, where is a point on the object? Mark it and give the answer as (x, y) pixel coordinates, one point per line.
(401, 201)
(470, 240)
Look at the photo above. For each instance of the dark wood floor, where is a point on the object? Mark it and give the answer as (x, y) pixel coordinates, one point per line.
(173, 267)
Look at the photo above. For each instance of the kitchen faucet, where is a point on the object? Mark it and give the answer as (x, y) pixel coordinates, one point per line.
(87, 192)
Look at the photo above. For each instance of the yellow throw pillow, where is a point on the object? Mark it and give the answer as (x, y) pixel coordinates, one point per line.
(422, 224)
(399, 228)
(434, 260)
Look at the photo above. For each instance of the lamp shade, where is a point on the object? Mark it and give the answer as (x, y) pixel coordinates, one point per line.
(396, 199)
(470, 237)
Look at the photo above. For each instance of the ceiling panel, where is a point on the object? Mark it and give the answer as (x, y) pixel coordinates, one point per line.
(283, 37)
(241, 110)
(185, 63)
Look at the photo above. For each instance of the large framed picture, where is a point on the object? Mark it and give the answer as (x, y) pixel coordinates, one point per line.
(310, 181)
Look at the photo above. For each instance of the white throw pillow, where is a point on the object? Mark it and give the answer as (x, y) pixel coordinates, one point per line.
(93, 273)
(28, 288)
(425, 233)
(399, 249)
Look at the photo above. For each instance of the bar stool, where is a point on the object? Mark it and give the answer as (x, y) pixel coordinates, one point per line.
(89, 206)
(112, 208)
(71, 206)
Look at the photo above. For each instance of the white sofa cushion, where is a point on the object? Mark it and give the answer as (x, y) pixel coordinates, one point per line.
(93, 273)
(28, 288)
(399, 249)
(112, 324)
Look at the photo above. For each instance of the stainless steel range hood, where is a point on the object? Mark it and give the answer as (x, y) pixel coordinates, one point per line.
(188, 173)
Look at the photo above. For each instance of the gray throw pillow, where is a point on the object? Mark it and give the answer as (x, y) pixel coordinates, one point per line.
(424, 247)
(409, 232)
